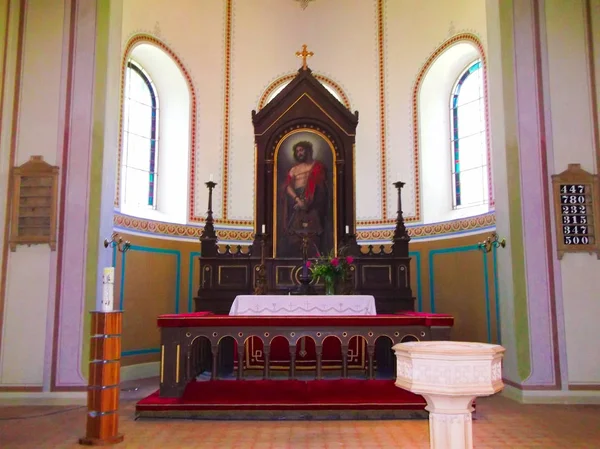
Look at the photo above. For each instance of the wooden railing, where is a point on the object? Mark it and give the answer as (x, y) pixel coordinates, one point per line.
(190, 343)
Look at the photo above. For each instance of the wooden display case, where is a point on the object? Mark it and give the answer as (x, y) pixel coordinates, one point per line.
(576, 202)
(34, 200)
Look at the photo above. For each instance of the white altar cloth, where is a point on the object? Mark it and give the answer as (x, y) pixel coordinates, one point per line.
(315, 305)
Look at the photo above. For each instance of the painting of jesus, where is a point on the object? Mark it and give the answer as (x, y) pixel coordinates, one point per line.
(305, 194)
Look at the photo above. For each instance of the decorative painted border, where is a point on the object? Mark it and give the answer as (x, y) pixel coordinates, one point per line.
(148, 39)
(382, 115)
(193, 232)
(290, 76)
(226, 122)
(476, 42)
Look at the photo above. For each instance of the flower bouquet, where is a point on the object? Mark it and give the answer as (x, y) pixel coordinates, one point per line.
(331, 268)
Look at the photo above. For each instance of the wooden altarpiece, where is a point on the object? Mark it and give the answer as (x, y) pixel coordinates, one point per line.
(303, 111)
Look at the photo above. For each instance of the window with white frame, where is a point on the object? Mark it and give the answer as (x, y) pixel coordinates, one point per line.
(140, 138)
(468, 140)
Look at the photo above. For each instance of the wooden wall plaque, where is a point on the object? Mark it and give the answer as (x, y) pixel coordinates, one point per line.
(35, 191)
(576, 197)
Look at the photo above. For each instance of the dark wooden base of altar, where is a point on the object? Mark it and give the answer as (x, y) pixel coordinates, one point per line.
(198, 342)
(290, 367)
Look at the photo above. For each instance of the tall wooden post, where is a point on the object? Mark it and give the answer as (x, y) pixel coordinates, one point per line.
(103, 386)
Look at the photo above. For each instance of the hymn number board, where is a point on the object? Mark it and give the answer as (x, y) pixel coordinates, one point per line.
(33, 220)
(576, 198)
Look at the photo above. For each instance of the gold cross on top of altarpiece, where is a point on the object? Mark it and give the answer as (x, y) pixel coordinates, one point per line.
(304, 54)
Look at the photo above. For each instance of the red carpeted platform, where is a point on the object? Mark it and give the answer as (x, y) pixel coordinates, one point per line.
(280, 399)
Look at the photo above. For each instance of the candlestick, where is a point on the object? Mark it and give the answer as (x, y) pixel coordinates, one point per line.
(263, 229)
(108, 285)
(209, 229)
(400, 233)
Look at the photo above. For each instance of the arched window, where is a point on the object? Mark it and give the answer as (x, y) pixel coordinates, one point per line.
(468, 139)
(140, 138)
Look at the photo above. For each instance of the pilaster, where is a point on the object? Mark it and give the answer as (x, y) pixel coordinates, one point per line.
(535, 319)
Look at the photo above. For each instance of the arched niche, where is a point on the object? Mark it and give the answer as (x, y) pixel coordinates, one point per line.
(175, 132)
(433, 91)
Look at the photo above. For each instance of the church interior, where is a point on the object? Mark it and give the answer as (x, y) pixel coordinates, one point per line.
(236, 216)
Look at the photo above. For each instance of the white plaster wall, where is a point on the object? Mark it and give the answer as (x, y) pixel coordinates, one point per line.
(265, 36)
(573, 142)
(28, 277)
(264, 44)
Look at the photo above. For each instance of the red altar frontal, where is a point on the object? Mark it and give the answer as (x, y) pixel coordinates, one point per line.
(306, 357)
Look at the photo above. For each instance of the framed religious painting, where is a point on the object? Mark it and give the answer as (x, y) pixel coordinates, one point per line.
(304, 194)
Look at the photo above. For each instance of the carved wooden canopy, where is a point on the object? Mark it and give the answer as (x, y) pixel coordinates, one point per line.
(305, 106)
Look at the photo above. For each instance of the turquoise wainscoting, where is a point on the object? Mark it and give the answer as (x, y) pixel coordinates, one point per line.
(193, 256)
(486, 283)
(148, 249)
(496, 294)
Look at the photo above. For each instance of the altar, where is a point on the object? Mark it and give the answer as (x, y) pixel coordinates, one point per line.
(260, 312)
(309, 305)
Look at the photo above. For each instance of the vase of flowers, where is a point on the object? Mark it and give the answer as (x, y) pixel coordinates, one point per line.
(331, 269)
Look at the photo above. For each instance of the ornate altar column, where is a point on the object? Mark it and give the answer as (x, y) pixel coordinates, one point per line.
(449, 375)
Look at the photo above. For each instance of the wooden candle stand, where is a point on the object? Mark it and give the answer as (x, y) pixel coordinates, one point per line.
(103, 387)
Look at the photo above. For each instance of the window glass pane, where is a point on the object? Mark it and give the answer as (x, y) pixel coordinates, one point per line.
(140, 119)
(140, 116)
(469, 119)
(468, 139)
(472, 186)
(136, 187)
(469, 89)
(138, 89)
(138, 152)
(469, 152)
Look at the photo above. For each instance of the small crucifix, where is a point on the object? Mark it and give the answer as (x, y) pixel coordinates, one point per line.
(304, 54)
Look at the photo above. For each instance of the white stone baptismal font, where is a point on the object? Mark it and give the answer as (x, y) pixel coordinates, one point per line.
(449, 375)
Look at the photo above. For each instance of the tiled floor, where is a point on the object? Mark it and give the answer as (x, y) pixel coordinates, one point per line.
(500, 423)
